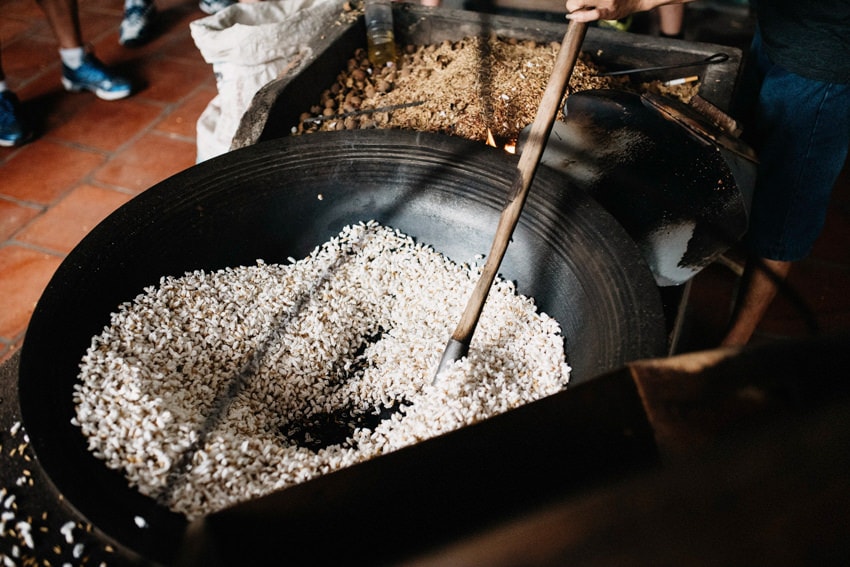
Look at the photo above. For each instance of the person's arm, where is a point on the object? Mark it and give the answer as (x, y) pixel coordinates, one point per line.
(591, 10)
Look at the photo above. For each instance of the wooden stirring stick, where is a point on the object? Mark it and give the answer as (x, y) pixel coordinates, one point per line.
(458, 345)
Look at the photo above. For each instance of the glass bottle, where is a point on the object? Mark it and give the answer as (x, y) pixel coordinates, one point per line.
(380, 39)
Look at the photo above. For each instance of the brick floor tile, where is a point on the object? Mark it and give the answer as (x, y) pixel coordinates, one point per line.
(14, 216)
(107, 125)
(24, 273)
(22, 60)
(43, 171)
(183, 120)
(148, 161)
(170, 81)
(66, 223)
(12, 28)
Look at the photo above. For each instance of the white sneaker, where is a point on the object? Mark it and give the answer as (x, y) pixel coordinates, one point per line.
(214, 6)
(137, 25)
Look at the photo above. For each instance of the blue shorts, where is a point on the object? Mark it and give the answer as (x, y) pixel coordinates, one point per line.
(800, 130)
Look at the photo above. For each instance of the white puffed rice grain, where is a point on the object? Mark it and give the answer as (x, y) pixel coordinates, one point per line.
(192, 387)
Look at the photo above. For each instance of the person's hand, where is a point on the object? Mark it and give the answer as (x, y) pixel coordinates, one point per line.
(592, 10)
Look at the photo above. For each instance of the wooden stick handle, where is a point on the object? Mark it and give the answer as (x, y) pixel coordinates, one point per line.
(528, 161)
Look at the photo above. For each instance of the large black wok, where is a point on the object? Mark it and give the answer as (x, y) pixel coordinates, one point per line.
(284, 197)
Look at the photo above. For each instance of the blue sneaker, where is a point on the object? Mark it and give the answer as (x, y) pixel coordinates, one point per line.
(214, 6)
(93, 76)
(13, 131)
(138, 24)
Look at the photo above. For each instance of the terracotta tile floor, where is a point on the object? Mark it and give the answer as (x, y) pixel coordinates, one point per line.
(91, 156)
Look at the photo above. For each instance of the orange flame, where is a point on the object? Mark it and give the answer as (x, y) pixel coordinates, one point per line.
(510, 147)
(491, 141)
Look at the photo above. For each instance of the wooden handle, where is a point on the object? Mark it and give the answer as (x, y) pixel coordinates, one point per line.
(528, 161)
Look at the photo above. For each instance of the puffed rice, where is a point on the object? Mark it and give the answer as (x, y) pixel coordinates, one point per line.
(194, 388)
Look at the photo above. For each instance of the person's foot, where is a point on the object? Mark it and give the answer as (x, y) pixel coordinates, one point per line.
(138, 24)
(93, 76)
(214, 6)
(13, 130)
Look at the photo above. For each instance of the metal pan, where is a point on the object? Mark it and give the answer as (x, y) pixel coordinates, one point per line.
(679, 186)
(263, 202)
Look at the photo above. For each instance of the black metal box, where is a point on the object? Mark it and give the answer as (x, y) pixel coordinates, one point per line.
(275, 109)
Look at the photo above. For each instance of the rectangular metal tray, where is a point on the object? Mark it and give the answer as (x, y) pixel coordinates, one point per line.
(275, 109)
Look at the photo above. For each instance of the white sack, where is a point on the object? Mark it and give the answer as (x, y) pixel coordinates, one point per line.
(249, 45)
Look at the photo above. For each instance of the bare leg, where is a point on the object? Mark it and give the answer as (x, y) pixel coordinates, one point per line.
(81, 71)
(64, 20)
(759, 290)
(670, 19)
